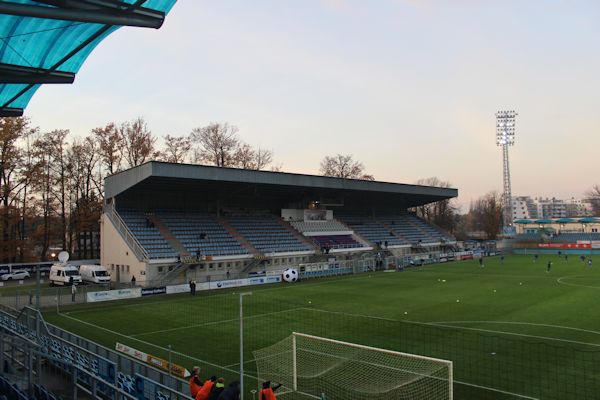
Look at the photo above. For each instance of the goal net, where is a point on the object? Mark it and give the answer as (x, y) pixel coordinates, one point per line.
(310, 366)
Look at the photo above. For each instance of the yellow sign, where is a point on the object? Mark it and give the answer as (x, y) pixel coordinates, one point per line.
(157, 362)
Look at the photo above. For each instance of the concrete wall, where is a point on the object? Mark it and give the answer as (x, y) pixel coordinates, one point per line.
(116, 255)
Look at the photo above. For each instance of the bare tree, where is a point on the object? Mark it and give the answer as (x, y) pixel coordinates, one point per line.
(217, 144)
(593, 196)
(248, 158)
(111, 144)
(441, 213)
(262, 158)
(245, 157)
(139, 142)
(177, 148)
(344, 166)
(13, 183)
(486, 214)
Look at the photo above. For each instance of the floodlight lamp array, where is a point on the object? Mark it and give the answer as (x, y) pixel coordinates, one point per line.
(505, 128)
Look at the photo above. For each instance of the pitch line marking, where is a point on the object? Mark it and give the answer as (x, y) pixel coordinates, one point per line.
(252, 376)
(155, 346)
(520, 323)
(214, 322)
(458, 327)
(560, 280)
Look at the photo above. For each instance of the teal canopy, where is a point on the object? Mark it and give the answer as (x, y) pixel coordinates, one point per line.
(522, 221)
(588, 220)
(543, 221)
(47, 41)
(565, 220)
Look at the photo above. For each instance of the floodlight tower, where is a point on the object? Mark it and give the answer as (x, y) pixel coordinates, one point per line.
(505, 136)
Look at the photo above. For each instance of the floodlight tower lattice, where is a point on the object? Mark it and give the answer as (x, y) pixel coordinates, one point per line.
(505, 137)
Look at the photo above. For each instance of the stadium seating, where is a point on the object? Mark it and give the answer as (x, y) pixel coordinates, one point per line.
(267, 234)
(395, 229)
(372, 230)
(148, 236)
(9, 390)
(319, 226)
(574, 237)
(336, 242)
(201, 232)
(414, 229)
(528, 237)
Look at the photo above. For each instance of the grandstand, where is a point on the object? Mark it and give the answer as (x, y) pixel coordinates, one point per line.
(162, 220)
(568, 235)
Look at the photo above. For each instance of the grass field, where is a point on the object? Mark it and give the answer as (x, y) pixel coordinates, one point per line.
(513, 331)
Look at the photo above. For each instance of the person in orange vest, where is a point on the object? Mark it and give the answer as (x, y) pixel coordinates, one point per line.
(204, 391)
(194, 382)
(268, 392)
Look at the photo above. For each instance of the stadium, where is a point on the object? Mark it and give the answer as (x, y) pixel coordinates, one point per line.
(171, 223)
(219, 283)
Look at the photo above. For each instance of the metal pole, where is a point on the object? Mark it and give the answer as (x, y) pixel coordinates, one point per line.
(242, 343)
(37, 287)
(170, 354)
(294, 365)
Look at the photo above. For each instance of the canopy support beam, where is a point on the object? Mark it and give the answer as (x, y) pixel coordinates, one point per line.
(10, 73)
(139, 17)
(10, 112)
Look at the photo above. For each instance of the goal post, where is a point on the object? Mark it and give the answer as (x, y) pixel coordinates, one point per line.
(310, 366)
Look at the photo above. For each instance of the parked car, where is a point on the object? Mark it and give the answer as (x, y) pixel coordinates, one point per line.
(15, 275)
(64, 274)
(94, 273)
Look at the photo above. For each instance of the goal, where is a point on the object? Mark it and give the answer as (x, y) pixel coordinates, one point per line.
(310, 367)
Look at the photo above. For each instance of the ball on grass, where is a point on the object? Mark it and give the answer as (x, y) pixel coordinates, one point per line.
(290, 275)
(405, 312)
(494, 290)
(309, 302)
(520, 283)
(457, 300)
(443, 280)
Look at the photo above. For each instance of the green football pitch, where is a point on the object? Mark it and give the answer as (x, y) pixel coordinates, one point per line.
(513, 330)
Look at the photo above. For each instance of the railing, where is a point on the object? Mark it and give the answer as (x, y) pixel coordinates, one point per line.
(73, 353)
(126, 234)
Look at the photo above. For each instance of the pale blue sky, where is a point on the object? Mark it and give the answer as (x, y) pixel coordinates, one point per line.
(408, 87)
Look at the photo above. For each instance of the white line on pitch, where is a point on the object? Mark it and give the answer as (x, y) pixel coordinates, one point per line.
(521, 396)
(215, 322)
(519, 323)
(454, 327)
(156, 346)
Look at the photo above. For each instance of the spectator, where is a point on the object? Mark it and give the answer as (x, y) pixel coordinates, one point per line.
(217, 389)
(73, 291)
(194, 382)
(228, 274)
(232, 392)
(207, 386)
(268, 392)
(133, 281)
(193, 287)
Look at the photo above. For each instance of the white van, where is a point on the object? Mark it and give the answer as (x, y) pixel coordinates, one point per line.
(61, 274)
(94, 273)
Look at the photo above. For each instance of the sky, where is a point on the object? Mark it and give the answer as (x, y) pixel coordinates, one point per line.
(408, 87)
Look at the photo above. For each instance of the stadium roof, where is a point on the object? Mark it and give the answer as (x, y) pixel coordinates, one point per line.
(159, 177)
(47, 41)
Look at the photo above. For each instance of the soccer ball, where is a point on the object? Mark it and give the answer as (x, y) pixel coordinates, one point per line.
(290, 275)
